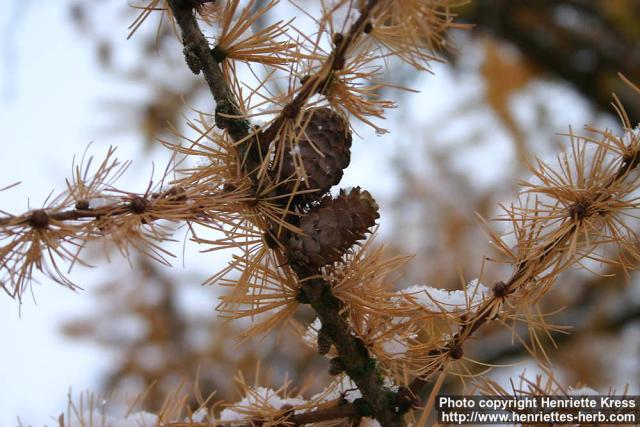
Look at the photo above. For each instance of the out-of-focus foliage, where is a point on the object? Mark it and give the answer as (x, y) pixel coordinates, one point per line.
(585, 43)
(161, 329)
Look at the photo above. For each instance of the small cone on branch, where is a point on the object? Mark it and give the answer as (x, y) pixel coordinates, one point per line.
(332, 227)
(324, 151)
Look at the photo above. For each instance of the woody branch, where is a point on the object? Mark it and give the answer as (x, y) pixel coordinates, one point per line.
(317, 292)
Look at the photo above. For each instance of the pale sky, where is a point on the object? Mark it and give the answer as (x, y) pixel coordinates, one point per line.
(47, 116)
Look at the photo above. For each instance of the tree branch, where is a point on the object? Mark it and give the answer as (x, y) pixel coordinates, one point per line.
(315, 83)
(502, 290)
(125, 205)
(362, 369)
(348, 410)
(199, 58)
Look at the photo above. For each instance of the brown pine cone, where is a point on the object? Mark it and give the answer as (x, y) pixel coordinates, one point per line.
(324, 148)
(332, 227)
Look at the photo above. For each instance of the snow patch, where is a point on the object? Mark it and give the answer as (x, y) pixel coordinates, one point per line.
(582, 391)
(441, 300)
(257, 397)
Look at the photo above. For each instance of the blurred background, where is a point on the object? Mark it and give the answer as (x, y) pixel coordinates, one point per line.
(509, 86)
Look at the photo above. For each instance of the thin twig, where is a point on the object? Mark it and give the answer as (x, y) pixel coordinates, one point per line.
(121, 207)
(348, 410)
(481, 314)
(335, 61)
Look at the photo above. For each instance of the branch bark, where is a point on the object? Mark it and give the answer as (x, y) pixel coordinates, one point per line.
(361, 368)
(124, 206)
(199, 59)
